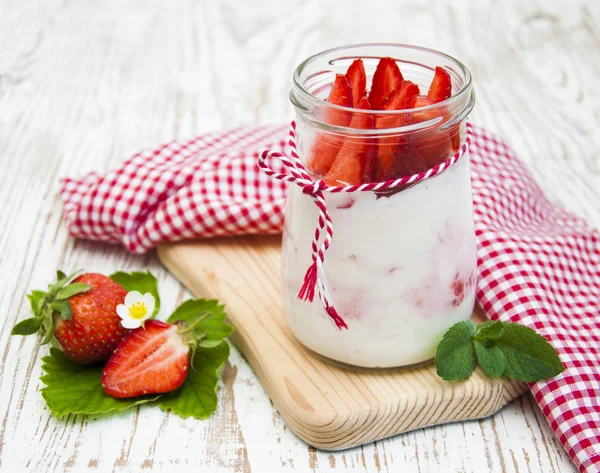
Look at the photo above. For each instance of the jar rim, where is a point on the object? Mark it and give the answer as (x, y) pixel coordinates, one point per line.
(311, 99)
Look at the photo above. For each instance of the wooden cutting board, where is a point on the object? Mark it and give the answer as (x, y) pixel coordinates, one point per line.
(328, 406)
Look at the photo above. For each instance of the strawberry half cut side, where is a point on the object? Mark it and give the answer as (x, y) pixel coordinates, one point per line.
(154, 359)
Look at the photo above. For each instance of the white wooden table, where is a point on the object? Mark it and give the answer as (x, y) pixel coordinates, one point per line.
(86, 84)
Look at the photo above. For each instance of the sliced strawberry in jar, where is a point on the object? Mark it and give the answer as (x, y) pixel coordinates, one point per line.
(326, 147)
(401, 98)
(432, 145)
(355, 163)
(441, 86)
(357, 78)
(340, 94)
(386, 79)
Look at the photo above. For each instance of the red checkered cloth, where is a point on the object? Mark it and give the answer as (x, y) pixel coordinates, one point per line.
(538, 264)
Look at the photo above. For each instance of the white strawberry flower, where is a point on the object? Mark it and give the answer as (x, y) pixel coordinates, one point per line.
(136, 310)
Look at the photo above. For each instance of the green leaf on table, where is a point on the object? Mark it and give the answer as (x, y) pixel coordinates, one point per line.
(197, 396)
(490, 358)
(75, 389)
(141, 282)
(36, 301)
(455, 356)
(529, 356)
(213, 325)
(27, 326)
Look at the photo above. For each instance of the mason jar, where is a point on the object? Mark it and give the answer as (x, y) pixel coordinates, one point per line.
(401, 268)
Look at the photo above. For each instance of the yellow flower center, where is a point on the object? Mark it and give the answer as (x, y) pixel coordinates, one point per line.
(138, 310)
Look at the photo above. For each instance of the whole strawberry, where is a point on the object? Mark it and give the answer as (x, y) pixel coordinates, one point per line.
(82, 316)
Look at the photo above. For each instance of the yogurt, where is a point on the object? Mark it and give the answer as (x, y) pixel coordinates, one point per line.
(401, 270)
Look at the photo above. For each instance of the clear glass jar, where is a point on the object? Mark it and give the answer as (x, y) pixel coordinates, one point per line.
(401, 267)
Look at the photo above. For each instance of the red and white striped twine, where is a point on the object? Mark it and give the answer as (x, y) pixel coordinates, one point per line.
(315, 276)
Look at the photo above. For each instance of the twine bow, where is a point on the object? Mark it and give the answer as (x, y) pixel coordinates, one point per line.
(314, 279)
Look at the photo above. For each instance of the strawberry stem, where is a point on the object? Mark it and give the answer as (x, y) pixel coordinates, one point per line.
(190, 327)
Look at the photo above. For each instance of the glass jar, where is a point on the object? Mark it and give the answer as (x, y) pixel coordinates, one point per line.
(401, 267)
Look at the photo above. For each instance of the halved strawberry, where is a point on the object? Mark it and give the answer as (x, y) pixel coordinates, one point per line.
(354, 163)
(326, 147)
(357, 78)
(150, 360)
(386, 79)
(441, 86)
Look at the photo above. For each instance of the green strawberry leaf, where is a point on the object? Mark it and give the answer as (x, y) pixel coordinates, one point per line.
(529, 356)
(60, 275)
(64, 308)
(455, 357)
(53, 288)
(75, 389)
(197, 396)
(36, 301)
(213, 326)
(27, 326)
(72, 290)
(490, 358)
(139, 281)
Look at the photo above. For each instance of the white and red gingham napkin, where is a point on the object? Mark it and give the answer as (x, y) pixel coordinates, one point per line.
(538, 264)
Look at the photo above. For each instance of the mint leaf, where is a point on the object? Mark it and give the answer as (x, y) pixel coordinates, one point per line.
(139, 281)
(213, 326)
(197, 396)
(72, 290)
(490, 358)
(75, 389)
(490, 330)
(529, 356)
(455, 356)
(36, 301)
(27, 326)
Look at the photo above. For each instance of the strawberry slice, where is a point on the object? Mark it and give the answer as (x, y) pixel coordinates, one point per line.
(340, 94)
(355, 163)
(150, 360)
(441, 86)
(433, 146)
(357, 78)
(326, 147)
(386, 79)
(401, 98)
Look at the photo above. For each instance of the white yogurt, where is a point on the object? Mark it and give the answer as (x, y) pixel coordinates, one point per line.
(401, 270)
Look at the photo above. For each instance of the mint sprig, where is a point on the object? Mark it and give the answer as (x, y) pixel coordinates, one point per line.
(500, 348)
